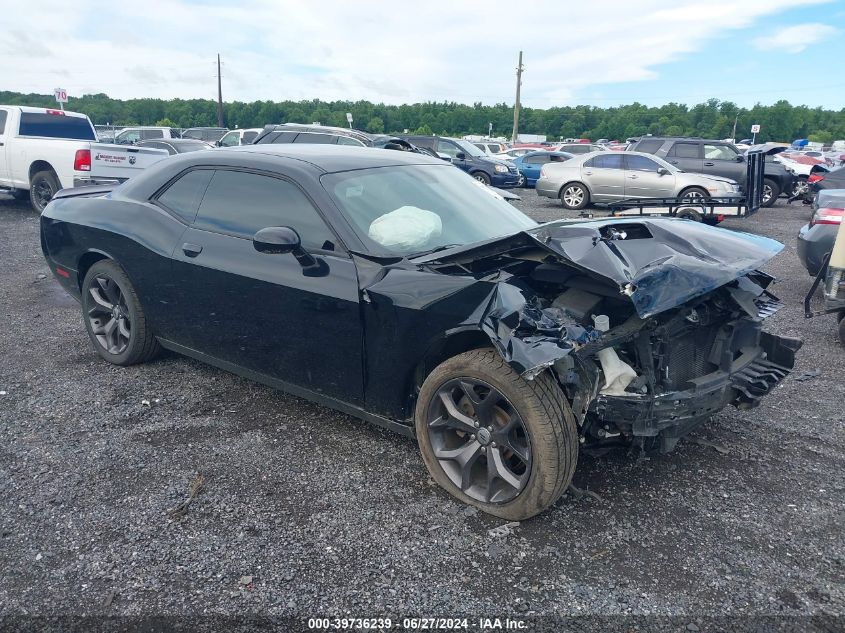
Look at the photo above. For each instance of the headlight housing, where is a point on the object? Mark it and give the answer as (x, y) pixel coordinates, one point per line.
(502, 169)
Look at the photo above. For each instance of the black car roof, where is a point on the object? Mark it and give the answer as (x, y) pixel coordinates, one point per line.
(331, 158)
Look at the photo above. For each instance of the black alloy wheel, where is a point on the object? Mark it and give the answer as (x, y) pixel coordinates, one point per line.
(479, 439)
(493, 439)
(114, 318)
(108, 315)
(42, 188)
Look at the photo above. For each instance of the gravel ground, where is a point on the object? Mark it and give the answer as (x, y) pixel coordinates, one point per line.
(308, 512)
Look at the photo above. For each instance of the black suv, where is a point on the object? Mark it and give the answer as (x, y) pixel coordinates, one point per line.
(715, 158)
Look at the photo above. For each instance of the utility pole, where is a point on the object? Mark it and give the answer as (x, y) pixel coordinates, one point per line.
(519, 70)
(733, 134)
(219, 95)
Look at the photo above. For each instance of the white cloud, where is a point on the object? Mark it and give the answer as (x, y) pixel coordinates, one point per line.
(794, 39)
(379, 50)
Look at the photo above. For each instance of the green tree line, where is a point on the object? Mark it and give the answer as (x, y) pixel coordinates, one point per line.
(712, 119)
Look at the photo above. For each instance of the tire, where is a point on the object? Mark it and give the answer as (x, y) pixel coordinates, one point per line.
(481, 177)
(694, 194)
(544, 433)
(42, 188)
(689, 214)
(109, 282)
(800, 186)
(842, 332)
(771, 192)
(574, 196)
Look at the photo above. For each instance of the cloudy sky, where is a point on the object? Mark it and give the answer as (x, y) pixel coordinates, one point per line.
(599, 53)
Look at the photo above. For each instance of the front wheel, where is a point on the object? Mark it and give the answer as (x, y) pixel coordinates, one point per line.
(43, 186)
(494, 440)
(114, 318)
(481, 177)
(574, 196)
(771, 192)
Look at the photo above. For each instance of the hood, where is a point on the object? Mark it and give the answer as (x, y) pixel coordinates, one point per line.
(658, 263)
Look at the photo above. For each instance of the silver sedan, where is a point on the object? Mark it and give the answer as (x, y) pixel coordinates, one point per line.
(612, 176)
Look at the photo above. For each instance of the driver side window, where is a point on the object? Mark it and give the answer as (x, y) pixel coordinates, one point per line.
(241, 203)
(640, 163)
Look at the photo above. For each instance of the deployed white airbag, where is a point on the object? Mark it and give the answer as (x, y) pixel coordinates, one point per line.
(406, 229)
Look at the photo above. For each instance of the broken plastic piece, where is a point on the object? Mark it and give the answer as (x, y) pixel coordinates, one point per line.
(617, 374)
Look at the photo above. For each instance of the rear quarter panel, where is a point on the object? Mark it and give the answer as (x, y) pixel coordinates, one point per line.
(138, 236)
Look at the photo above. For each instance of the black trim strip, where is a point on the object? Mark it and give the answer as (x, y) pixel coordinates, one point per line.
(405, 429)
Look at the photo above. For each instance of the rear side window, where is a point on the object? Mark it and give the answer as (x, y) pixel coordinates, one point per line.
(278, 137)
(685, 150)
(345, 140)
(539, 159)
(183, 197)
(649, 146)
(56, 126)
(145, 134)
(308, 137)
(606, 161)
(242, 203)
(2, 121)
(248, 138)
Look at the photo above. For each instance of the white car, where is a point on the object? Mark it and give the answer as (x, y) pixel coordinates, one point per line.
(131, 135)
(239, 137)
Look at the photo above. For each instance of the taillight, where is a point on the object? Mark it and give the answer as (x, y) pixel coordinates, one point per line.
(826, 215)
(82, 160)
(814, 178)
(542, 172)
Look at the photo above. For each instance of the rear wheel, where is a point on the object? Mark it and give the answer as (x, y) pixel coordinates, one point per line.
(494, 440)
(771, 192)
(574, 196)
(114, 318)
(800, 187)
(42, 188)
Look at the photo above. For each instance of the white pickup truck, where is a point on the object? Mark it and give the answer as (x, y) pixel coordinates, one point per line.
(44, 150)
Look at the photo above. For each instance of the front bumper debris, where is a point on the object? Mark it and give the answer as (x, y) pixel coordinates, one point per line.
(669, 416)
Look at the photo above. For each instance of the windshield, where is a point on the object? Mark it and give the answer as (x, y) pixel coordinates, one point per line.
(469, 148)
(412, 209)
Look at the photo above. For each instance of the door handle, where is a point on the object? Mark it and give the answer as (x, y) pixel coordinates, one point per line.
(589, 173)
(191, 250)
(2, 143)
(708, 164)
(633, 176)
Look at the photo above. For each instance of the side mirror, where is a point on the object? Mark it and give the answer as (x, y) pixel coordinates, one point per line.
(662, 171)
(279, 240)
(445, 157)
(218, 143)
(461, 156)
(739, 158)
(276, 240)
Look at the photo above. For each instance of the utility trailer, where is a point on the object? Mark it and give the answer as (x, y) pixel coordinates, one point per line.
(709, 210)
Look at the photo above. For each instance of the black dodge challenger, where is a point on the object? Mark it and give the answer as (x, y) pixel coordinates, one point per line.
(395, 288)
